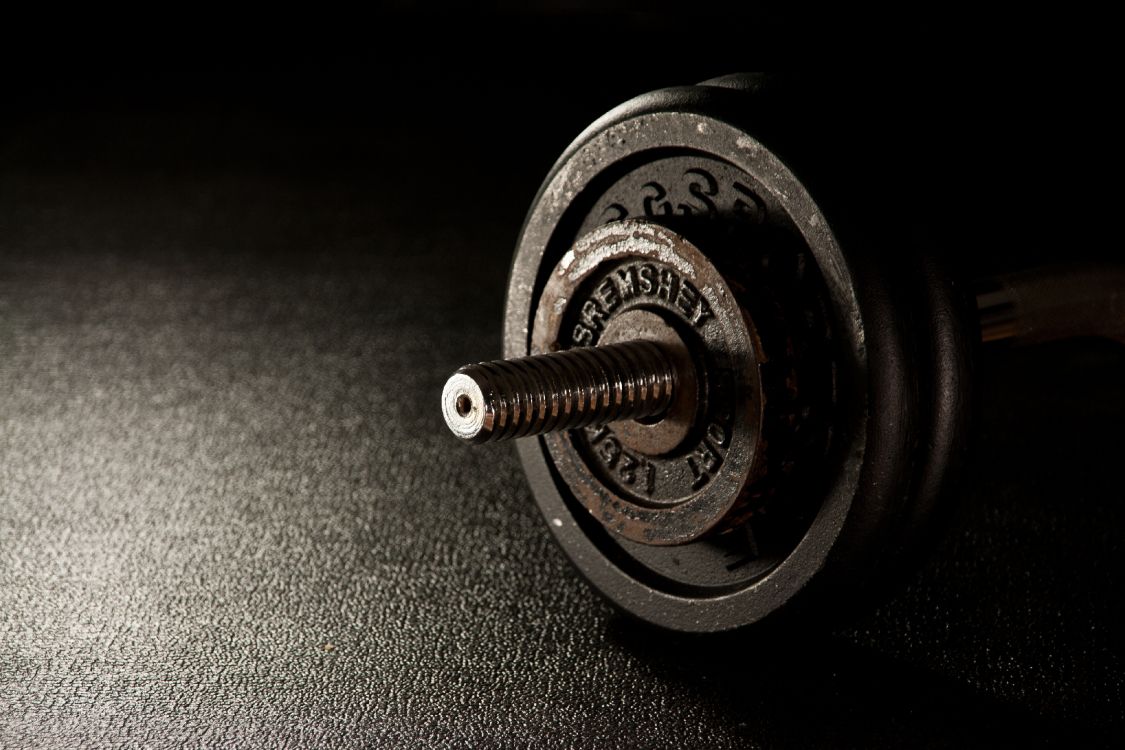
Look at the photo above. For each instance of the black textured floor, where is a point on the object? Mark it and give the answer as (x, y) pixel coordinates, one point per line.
(230, 514)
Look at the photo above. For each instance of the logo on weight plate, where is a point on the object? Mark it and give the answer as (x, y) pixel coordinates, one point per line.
(637, 283)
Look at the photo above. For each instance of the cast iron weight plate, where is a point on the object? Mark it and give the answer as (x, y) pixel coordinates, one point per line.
(663, 493)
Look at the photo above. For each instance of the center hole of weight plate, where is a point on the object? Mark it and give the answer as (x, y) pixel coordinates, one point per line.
(464, 405)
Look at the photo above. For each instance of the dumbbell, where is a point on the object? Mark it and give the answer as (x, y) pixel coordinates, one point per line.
(741, 380)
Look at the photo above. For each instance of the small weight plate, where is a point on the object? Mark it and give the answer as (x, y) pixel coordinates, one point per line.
(676, 496)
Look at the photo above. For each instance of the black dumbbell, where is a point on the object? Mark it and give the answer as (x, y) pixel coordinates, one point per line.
(745, 381)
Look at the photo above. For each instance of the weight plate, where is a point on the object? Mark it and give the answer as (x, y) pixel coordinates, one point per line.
(657, 497)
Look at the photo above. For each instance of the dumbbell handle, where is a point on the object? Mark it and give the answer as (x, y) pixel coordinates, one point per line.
(1052, 303)
(515, 398)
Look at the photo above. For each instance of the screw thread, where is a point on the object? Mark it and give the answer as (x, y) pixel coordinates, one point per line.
(565, 390)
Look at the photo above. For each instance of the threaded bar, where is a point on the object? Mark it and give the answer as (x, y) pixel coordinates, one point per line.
(515, 398)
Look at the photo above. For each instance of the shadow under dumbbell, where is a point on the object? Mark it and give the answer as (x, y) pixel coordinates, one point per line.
(1010, 632)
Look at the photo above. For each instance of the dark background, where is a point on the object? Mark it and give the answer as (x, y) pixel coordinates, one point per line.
(235, 270)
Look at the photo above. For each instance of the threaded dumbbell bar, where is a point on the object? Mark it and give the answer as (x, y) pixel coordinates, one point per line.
(558, 391)
(524, 397)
